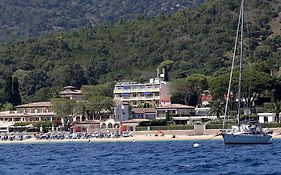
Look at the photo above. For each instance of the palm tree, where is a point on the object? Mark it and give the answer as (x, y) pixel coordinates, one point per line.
(275, 105)
(217, 108)
(276, 108)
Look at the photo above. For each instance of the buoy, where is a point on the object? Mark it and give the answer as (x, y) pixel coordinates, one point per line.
(196, 145)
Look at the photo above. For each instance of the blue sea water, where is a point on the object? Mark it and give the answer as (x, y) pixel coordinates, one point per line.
(151, 158)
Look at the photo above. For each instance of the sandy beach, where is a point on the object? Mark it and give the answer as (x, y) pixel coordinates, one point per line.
(120, 139)
(136, 138)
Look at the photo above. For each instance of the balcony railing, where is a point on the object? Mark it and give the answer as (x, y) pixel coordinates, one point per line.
(116, 91)
(139, 98)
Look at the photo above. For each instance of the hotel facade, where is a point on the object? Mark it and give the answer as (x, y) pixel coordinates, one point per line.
(32, 112)
(140, 94)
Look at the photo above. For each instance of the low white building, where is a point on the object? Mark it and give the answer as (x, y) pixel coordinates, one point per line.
(267, 117)
(174, 109)
(143, 113)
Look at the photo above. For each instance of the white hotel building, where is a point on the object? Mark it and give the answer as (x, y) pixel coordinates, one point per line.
(154, 93)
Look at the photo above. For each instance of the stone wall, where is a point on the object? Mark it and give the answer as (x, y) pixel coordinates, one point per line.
(195, 131)
(166, 132)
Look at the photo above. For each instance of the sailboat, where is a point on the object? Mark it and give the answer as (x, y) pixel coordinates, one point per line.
(247, 133)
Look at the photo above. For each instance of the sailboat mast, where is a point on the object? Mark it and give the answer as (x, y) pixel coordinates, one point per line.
(241, 64)
(232, 67)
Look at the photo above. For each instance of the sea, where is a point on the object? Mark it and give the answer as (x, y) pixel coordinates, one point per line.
(144, 158)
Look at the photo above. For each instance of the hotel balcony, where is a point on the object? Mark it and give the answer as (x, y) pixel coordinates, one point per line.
(117, 91)
(126, 98)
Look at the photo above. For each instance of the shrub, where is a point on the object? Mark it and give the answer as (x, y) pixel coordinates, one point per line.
(23, 123)
(154, 123)
(45, 124)
(271, 125)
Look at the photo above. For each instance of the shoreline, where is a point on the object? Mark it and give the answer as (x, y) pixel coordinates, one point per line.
(136, 138)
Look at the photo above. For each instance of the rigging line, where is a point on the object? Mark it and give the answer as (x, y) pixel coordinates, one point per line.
(232, 67)
(240, 65)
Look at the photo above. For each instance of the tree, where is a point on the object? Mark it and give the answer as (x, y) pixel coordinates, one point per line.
(217, 108)
(254, 83)
(198, 40)
(218, 86)
(104, 89)
(64, 108)
(46, 93)
(80, 109)
(98, 100)
(7, 107)
(71, 74)
(7, 89)
(16, 99)
(188, 89)
(94, 70)
(77, 76)
(97, 106)
(276, 108)
(165, 65)
(276, 87)
(275, 105)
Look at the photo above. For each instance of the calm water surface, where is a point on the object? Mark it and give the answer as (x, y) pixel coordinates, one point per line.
(151, 158)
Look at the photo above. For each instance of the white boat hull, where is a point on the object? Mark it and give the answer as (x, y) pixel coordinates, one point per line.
(230, 138)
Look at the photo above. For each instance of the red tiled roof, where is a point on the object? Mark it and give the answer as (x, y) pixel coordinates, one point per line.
(36, 104)
(206, 97)
(143, 110)
(166, 99)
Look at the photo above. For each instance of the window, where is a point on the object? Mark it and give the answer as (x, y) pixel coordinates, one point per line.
(39, 110)
(156, 94)
(265, 119)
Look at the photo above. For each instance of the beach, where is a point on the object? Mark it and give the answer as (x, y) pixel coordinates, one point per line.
(136, 138)
(120, 139)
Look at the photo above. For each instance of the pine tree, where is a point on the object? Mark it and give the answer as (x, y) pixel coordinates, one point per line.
(7, 89)
(16, 98)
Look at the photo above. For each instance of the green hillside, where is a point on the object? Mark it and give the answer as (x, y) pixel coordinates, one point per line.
(25, 18)
(197, 40)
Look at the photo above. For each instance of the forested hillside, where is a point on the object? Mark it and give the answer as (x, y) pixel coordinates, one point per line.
(197, 40)
(25, 18)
